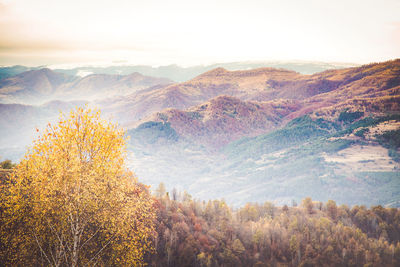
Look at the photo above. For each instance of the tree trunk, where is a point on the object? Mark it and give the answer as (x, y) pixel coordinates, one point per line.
(75, 249)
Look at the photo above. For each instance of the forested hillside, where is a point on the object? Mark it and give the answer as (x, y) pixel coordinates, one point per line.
(199, 233)
(353, 158)
(190, 232)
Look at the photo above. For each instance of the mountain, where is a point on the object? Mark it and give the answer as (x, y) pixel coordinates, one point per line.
(250, 135)
(375, 82)
(43, 85)
(32, 86)
(98, 86)
(245, 85)
(6, 72)
(223, 119)
(353, 162)
(31, 99)
(275, 134)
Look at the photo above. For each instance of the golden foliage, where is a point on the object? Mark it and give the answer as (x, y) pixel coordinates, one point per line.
(71, 201)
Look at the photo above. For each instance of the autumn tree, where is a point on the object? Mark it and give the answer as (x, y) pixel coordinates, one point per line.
(308, 205)
(7, 164)
(331, 209)
(72, 202)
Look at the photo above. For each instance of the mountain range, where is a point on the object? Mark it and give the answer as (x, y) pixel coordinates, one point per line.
(245, 135)
(373, 88)
(179, 73)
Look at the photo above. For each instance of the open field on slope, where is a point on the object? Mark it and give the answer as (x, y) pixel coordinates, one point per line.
(363, 158)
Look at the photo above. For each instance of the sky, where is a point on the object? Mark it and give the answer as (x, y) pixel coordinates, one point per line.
(82, 32)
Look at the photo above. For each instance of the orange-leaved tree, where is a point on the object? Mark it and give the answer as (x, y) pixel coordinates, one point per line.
(71, 201)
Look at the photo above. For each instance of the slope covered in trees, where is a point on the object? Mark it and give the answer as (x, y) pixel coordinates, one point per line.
(199, 233)
(352, 158)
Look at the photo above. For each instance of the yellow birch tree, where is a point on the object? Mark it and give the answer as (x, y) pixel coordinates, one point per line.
(72, 202)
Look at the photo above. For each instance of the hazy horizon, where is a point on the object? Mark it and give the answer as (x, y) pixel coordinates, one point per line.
(67, 66)
(189, 33)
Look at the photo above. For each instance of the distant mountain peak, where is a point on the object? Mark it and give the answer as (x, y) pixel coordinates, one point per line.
(136, 74)
(45, 71)
(223, 74)
(214, 72)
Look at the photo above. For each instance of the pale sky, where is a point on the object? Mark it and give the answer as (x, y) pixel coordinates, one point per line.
(48, 32)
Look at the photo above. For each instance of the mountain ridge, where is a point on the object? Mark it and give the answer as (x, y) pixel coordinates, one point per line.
(328, 87)
(324, 94)
(42, 85)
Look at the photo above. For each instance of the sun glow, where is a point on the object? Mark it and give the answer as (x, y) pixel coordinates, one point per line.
(195, 32)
